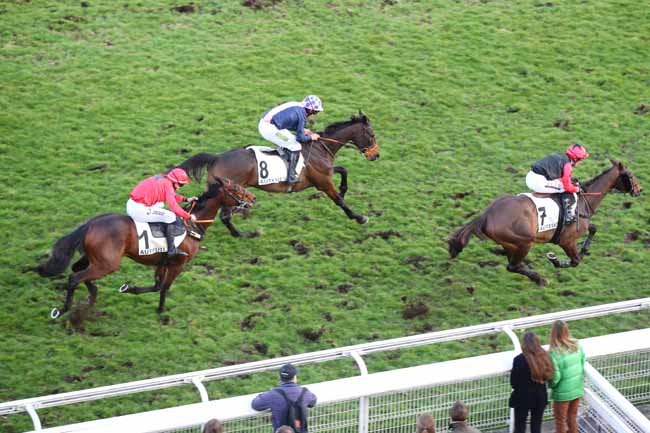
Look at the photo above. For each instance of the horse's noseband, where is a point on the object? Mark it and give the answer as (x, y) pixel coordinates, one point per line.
(372, 152)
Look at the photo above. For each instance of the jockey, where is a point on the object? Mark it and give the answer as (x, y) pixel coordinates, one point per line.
(553, 175)
(277, 125)
(150, 195)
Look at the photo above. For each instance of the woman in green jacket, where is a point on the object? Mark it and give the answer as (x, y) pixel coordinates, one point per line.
(567, 383)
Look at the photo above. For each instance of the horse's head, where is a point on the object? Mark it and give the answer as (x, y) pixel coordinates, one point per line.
(234, 195)
(626, 182)
(359, 131)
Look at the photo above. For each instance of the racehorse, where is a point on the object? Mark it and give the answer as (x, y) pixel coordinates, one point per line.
(240, 165)
(104, 239)
(511, 221)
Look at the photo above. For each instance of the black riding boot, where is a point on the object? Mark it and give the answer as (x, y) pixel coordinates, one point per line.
(172, 251)
(567, 201)
(292, 176)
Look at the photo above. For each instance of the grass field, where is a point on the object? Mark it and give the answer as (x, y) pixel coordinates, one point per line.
(463, 97)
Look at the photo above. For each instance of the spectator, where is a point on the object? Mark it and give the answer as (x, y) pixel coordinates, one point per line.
(530, 371)
(459, 414)
(213, 426)
(567, 383)
(278, 404)
(426, 424)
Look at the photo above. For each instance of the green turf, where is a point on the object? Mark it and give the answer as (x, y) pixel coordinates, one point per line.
(463, 97)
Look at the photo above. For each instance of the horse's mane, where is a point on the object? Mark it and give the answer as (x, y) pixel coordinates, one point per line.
(330, 129)
(593, 180)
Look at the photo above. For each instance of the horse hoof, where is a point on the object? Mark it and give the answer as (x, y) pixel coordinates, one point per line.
(542, 282)
(362, 219)
(124, 288)
(551, 256)
(55, 313)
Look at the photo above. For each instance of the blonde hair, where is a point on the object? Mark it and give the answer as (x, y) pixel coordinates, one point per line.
(541, 366)
(560, 338)
(426, 424)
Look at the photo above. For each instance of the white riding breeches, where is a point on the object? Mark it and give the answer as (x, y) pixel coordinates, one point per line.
(539, 183)
(149, 214)
(280, 137)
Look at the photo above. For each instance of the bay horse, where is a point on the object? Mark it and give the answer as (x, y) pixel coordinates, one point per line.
(240, 165)
(511, 221)
(104, 239)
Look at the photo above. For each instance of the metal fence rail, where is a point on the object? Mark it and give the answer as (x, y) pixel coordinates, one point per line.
(198, 377)
(393, 399)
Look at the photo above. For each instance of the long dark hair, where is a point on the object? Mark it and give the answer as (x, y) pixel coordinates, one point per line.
(541, 367)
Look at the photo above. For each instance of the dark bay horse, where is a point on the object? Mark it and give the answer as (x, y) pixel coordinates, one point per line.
(104, 239)
(511, 221)
(240, 165)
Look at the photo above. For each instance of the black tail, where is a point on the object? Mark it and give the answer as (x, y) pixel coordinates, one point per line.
(62, 253)
(195, 165)
(459, 239)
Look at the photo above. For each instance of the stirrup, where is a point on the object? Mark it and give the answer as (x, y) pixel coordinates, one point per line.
(176, 252)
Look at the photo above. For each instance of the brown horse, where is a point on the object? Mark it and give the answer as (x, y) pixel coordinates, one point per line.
(240, 165)
(103, 241)
(511, 221)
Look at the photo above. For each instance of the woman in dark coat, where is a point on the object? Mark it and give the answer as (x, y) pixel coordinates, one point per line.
(530, 371)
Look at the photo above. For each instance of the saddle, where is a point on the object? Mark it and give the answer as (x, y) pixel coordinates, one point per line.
(558, 199)
(158, 229)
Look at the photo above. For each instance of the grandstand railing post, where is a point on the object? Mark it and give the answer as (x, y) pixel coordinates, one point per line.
(617, 399)
(34, 416)
(515, 342)
(364, 411)
(196, 381)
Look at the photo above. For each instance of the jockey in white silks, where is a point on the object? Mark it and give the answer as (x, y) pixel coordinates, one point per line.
(279, 125)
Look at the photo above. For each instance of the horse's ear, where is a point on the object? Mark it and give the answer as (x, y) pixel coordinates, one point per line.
(363, 117)
(616, 163)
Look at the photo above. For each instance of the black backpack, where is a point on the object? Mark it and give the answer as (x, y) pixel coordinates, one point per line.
(296, 416)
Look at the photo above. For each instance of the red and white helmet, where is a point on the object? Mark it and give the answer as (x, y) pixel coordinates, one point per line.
(576, 152)
(312, 102)
(178, 176)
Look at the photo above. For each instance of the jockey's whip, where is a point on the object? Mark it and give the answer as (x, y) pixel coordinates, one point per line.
(591, 193)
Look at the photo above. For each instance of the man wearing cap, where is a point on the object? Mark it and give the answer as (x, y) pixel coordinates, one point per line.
(274, 400)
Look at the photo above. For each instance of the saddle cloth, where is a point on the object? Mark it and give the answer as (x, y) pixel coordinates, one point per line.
(151, 236)
(271, 167)
(548, 211)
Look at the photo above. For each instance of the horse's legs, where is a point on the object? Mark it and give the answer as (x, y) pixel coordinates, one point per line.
(343, 187)
(226, 218)
(159, 276)
(80, 265)
(516, 255)
(571, 250)
(584, 250)
(172, 273)
(329, 189)
(89, 274)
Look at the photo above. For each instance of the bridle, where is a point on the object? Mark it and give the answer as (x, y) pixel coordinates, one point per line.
(367, 151)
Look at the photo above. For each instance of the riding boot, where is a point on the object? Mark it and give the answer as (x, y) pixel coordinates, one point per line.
(172, 251)
(567, 202)
(292, 176)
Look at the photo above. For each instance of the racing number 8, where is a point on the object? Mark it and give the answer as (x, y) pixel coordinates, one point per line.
(264, 170)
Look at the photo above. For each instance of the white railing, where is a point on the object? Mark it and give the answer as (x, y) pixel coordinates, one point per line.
(198, 377)
(395, 398)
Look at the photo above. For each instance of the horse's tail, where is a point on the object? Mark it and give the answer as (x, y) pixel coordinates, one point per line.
(195, 165)
(62, 253)
(459, 239)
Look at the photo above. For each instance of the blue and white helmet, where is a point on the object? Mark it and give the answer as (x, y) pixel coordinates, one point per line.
(313, 102)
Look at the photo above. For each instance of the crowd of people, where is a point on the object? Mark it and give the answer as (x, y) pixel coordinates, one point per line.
(561, 369)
